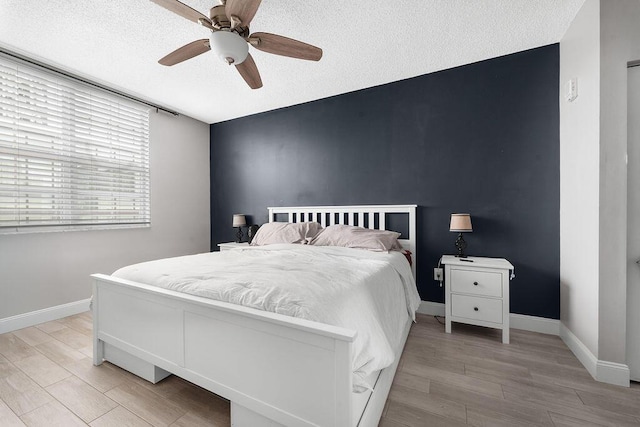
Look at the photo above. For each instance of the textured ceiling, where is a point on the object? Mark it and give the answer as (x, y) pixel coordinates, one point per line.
(365, 43)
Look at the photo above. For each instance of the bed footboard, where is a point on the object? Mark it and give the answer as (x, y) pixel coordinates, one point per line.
(279, 369)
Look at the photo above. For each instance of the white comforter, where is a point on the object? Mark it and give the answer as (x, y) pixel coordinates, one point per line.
(370, 292)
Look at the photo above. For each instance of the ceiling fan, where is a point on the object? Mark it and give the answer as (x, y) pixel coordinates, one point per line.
(230, 38)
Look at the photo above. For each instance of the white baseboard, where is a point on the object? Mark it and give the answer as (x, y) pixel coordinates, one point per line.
(584, 355)
(431, 308)
(534, 324)
(600, 370)
(25, 320)
(613, 373)
(516, 321)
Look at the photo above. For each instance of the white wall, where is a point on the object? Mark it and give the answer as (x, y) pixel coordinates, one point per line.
(579, 177)
(603, 38)
(620, 43)
(41, 270)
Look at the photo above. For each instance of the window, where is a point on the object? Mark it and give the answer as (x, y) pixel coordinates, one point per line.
(71, 156)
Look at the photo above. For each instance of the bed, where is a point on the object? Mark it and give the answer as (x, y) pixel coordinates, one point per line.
(251, 357)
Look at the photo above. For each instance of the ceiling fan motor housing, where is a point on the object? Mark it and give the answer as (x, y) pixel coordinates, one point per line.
(229, 46)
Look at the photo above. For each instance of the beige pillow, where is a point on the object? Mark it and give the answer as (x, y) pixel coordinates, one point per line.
(285, 232)
(349, 236)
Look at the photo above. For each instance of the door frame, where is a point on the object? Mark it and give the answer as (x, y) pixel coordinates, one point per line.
(633, 252)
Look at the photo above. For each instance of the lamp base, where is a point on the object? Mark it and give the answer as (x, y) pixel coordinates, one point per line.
(239, 235)
(461, 245)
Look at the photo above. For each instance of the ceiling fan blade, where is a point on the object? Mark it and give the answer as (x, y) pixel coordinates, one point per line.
(187, 51)
(181, 9)
(249, 72)
(243, 9)
(280, 45)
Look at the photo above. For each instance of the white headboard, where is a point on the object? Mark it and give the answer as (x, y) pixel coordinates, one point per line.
(373, 217)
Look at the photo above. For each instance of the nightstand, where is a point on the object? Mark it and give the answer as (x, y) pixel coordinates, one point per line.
(477, 292)
(232, 245)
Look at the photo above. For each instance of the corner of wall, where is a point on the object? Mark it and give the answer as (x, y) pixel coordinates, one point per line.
(580, 179)
(600, 370)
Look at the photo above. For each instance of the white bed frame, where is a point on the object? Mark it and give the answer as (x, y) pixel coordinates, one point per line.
(275, 369)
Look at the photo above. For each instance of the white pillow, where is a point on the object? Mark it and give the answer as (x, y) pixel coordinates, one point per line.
(350, 236)
(285, 232)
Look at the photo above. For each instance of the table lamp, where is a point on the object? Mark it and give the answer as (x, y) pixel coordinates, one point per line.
(239, 221)
(460, 223)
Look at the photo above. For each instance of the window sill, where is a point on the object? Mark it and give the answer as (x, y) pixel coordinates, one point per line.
(69, 228)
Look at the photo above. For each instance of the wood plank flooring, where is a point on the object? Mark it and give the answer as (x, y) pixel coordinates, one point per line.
(470, 378)
(465, 378)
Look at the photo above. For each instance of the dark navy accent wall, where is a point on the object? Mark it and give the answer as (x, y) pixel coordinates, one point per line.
(481, 138)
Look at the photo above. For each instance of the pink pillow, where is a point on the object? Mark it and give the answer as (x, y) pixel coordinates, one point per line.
(285, 232)
(349, 236)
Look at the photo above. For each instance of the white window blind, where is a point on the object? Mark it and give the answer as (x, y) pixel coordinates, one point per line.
(70, 155)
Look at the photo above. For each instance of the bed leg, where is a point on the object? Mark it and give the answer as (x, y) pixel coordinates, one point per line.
(243, 417)
(98, 352)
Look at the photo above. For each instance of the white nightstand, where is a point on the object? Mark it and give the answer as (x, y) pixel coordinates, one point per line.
(232, 245)
(477, 292)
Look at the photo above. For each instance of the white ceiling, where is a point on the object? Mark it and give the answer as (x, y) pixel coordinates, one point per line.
(365, 43)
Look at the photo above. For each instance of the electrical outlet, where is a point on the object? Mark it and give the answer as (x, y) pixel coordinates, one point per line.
(437, 274)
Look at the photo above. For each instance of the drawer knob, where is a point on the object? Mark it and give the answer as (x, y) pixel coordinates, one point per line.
(475, 283)
(475, 308)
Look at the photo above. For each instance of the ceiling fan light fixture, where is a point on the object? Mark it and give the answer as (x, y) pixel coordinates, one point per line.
(229, 46)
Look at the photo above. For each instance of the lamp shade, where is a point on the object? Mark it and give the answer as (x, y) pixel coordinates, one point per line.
(460, 223)
(229, 47)
(239, 220)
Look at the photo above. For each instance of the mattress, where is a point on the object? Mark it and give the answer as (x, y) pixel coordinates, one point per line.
(372, 293)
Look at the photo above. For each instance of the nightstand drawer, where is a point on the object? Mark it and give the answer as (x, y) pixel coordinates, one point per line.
(476, 282)
(487, 309)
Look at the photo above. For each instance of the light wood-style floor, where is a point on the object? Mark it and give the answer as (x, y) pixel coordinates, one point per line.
(466, 378)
